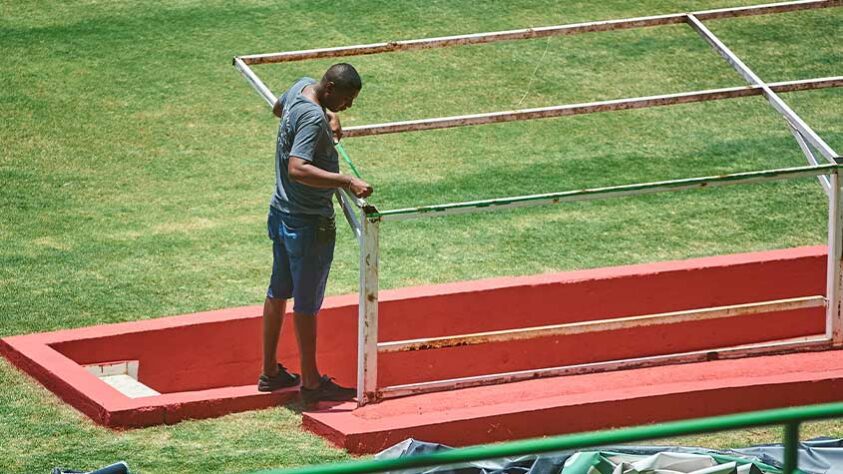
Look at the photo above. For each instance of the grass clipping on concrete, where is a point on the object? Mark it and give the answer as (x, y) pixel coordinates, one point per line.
(136, 169)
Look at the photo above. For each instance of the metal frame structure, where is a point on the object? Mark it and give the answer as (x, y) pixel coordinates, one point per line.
(365, 219)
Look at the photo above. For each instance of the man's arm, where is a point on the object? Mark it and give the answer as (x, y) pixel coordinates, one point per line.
(304, 172)
(277, 109)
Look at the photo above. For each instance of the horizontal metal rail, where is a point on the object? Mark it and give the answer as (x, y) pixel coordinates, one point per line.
(604, 193)
(586, 108)
(788, 416)
(771, 96)
(582, 327)
(531, 33)
(805, 344)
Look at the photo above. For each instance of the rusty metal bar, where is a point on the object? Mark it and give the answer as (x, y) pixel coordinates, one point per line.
(367, 323)
(771, 96)
(255, 81)
(586, 108)
(769, 8)
(615, 324)
(603, 193)
(834, 278)
(463, 40)
(531, 33)
(806, 84)
(805, 344)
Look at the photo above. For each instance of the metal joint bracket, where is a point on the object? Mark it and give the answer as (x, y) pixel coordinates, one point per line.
(371, 212)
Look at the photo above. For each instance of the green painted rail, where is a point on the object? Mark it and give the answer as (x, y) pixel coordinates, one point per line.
(789, 417)
(607, 192)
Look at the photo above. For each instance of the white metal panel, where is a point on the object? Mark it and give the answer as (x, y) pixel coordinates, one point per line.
(777, 347)
(582, 327)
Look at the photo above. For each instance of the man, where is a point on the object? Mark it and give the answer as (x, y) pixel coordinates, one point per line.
(301, 223)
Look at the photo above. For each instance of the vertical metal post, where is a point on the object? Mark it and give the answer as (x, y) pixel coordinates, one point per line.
(791, 448)
(833, 316)
(367, 322)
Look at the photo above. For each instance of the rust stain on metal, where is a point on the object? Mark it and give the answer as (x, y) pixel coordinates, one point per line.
(393, 392)
(599, 325)
(441, 343)
(531, 33)
(765, 9)
(577, 109)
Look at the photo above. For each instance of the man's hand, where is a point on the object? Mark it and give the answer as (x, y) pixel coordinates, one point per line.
(336, 127)
(304, 172)
(359, 188)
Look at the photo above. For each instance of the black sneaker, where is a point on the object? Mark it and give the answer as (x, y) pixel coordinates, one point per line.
(283, 379)
(327, 391)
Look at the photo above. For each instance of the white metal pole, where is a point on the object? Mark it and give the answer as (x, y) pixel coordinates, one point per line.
(343, 197)
(255, 82)
(367, 323)
(809, 155)
(771, 96)
(833, 317)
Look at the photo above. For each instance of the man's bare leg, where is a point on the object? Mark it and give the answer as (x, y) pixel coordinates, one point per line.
(273, 318)
(306, 336)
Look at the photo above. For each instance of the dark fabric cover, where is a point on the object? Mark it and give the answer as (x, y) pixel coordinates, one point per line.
(817, 456)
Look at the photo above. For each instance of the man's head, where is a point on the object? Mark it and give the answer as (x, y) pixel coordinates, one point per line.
(339, 87)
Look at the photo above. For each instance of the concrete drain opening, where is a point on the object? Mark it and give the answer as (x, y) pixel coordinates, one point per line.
(123, 376)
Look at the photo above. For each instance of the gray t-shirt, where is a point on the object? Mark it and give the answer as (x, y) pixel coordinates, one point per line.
(304, 133)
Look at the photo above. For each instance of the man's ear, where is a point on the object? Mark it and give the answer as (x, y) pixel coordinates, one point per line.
(330, 87)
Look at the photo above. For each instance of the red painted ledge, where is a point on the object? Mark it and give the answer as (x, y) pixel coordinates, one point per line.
(578, 403)
(206, 364)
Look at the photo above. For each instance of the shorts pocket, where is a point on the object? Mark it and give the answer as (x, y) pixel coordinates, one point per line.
(298, 239)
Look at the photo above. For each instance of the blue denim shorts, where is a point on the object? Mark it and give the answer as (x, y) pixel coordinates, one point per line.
(302, 252)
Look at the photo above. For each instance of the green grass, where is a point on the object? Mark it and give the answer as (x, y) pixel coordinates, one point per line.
(136, 168)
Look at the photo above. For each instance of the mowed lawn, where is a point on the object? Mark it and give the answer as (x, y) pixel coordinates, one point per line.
(136, 167)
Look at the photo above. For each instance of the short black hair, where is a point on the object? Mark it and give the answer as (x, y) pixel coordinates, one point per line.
(344, 76)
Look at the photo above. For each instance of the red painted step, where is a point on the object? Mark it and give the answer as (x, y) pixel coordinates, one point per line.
(571, 404)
